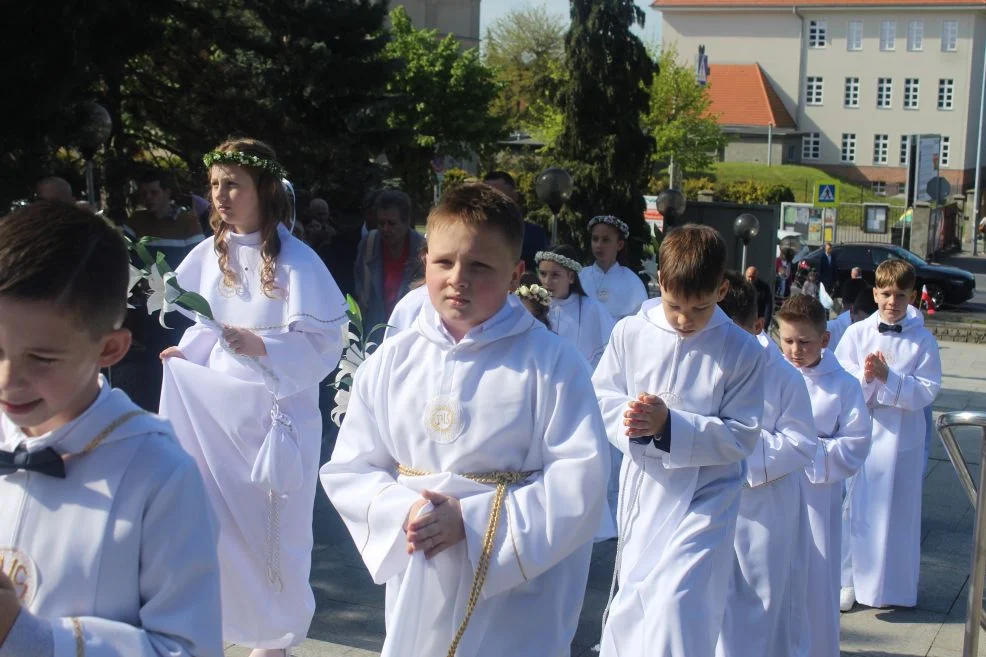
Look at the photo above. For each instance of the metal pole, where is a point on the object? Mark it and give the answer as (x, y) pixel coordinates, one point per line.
(979, 156)
(743, 266)
(770, 142)
(90, 187)
(970, 647)
(554, 230)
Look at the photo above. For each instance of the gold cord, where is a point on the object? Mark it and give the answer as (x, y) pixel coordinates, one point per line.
(500, 479)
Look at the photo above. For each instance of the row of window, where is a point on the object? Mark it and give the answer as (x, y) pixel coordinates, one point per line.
(811, 149)
(815, 92)
(818, 35)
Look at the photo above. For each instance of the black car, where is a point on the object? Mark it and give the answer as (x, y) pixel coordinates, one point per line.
(946, 285)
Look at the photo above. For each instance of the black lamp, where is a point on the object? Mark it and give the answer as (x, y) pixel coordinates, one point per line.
(553, 188)
(94, 127)
(746, 227)
(671, 204)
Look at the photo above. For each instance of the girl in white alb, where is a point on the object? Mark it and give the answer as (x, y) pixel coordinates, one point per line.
(617, 288)
(281, 335)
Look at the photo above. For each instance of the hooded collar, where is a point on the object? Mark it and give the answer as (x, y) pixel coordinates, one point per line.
(913, 319)
(652, 312)
(571, 299)
(111, 418)
(512, 319)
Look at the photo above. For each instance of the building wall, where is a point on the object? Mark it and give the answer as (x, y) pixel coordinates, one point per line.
(457, 17)
(753, 148)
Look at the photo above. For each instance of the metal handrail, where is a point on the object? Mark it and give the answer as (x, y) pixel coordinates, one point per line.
(975, 615)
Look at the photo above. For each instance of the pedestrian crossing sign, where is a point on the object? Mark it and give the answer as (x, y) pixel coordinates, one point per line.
(826, 194)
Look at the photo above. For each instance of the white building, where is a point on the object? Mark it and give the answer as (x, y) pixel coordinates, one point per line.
(457, 17)
(856, 76)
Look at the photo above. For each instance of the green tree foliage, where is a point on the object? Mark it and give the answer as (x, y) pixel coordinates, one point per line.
(604, 99)
(526, 49)
(678, 117)
(443, 99)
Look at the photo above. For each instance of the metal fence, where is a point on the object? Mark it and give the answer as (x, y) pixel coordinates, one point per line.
(850, 222)
(944, 230)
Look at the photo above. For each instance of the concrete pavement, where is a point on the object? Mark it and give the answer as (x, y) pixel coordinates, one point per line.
(349, 617)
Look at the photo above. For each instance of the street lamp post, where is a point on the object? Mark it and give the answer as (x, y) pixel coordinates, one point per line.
(671, 204)
(553, 188)
(94, 127)
(746, 227)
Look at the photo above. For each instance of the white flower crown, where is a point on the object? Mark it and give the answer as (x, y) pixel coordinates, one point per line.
(534, 293)
(567, 263)
(610, 220)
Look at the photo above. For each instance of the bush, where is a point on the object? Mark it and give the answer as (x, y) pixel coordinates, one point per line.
(751, 192)
(693, 186)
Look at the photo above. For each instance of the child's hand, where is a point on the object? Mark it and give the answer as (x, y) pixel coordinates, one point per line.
(645, 416)
(10, 606)
(879, 367)
(172, 352)
(437, 530)
(244, 342)
(868, 368)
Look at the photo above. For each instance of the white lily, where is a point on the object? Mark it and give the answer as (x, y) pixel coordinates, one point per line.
(342, 403)
(136, 275)
(163, 295)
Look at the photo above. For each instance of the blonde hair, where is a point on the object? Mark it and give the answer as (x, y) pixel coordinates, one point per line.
(275, 208)
(478, 204)
(895, 273)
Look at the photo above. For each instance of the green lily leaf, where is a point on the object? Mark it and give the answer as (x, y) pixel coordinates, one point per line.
(195, 302)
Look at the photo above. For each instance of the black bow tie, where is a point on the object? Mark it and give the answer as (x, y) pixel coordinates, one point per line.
(46, 461)
(889, 328)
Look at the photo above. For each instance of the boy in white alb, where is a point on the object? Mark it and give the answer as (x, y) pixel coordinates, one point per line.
(897, 362)
(681, 391)
(613, 285)
(843, 426)
(107, 541)
(471, 465)
(761, 606)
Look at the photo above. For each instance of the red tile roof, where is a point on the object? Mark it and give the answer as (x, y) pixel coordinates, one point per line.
(742, 95)
(788, 4)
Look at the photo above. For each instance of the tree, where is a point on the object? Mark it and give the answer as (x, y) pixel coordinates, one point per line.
(604, 100)
(526, 48)
(679, 119)
(442, 107)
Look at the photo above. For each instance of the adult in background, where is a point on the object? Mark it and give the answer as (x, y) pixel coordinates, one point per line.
(535, 237)
(765, 298)
(388, 258)
(827, 270)
(54, 188)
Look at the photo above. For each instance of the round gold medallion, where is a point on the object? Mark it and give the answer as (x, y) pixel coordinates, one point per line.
(443, 420)
(22, 571)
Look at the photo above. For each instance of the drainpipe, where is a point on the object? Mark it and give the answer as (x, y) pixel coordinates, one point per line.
(770, 141)
(802, 69)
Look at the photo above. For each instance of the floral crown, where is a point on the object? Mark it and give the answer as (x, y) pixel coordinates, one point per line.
(558, 258)
(534, 293)
(610, 220)
(244, 159)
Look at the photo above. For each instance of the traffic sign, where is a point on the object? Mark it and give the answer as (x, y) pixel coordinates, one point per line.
(827, 194)
(939, 189)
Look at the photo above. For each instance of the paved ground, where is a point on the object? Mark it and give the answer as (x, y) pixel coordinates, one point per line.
(349, 620)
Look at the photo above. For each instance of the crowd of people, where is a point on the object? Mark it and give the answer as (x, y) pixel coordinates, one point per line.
(515, 413)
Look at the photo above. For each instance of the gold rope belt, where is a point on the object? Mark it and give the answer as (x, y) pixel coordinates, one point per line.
(501, 480)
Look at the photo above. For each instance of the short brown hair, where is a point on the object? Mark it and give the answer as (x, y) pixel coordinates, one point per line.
(804, 308)
(895, 273)
(60, 253)
(478, 204)
(693, 260)
(740, 302)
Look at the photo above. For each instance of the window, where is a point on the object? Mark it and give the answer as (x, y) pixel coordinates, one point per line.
(817, 34)
(854, 38)
(949, 36)
(813, 90)
(902, 188)
(912, 88)
(915, 35)
(811, 146)
(848, 147)
(946, 91)
(946, 151)
(884, 92)
(879, 188)
(852, 92)
(881, 146)
(904, 150)
(888, 35)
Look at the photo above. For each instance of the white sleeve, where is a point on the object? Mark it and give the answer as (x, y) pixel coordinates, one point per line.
(731, 434)
(361, 483)
(603, 324)
(839, 456)
(612, 389)
(912, 392)
(179, 584)
(789, 445)
(302, 359)
(560, 509)
(197, 343)
(850, 357)
(638, 293)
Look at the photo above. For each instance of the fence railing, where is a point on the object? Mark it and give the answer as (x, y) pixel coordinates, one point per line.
(850, 223)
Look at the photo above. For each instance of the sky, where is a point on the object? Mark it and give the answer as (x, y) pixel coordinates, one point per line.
(491, 10)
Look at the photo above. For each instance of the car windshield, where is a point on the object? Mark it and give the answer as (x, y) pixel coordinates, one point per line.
(904, 254)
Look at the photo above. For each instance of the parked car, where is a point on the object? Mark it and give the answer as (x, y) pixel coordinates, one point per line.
(946, 285)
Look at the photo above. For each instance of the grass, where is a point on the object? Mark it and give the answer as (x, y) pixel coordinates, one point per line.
(801, 180)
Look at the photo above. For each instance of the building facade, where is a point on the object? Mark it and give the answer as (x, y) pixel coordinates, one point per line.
(457, 17)
(857, 77)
